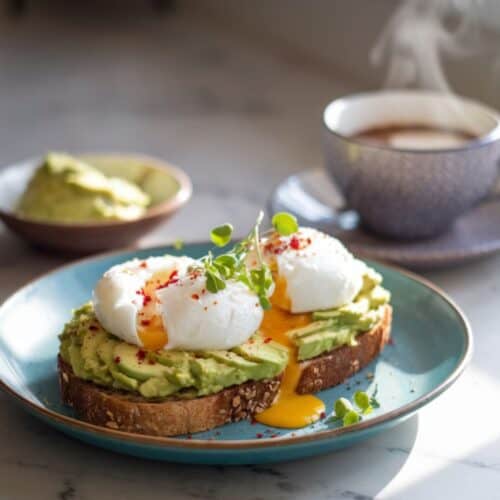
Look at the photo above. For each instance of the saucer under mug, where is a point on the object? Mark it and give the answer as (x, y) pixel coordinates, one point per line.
(316, 201)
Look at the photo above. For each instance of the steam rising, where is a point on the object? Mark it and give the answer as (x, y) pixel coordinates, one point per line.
(421, 35)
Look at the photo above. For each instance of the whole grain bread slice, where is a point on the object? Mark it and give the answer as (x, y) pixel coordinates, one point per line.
(122, 411)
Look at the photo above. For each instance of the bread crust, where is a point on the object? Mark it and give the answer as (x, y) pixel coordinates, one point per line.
(131, 413)
(121, 411)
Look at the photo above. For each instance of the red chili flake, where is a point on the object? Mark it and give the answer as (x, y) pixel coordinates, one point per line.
(309, 241)
(151, 362)
(253, 422)
(189, 436)
(195, 296)
(172, 279)
(279, 250)
(274, 435)
(203, 291)
(93, 328)
(146, 299)
(117, 359)
(259, 435)
(267, 340)
(322, 414)
(295, 243)
(141, 355)
(145, 322)
(143, 264)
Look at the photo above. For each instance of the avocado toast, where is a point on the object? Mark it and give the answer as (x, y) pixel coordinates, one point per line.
(128, 386)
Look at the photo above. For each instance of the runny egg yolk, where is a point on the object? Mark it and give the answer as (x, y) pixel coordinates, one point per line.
(150, 328)
(290, 410)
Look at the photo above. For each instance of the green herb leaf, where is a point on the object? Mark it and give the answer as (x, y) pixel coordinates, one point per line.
(221, 235)
(350, 418)
(264, 302)
(362, 400)
(214, 282)
(374, 403)
(178, 244)
(342, 406)
(232, 265)
(285, 223)
(226, 260)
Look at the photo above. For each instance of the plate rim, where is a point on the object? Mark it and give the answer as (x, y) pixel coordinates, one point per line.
(163, 442)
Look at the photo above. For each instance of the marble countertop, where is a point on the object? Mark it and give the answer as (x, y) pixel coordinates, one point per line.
(238, 116)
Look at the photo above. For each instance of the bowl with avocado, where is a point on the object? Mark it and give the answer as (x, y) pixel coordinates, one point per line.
(91, 202)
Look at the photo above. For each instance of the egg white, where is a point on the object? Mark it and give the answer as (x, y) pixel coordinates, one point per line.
(199, 320)
(321, 274)
(115, 298)
(194, 318)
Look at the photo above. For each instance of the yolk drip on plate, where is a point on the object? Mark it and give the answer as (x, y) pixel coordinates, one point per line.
(290, 410)
(150, 326)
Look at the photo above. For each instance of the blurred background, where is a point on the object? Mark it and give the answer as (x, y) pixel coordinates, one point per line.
(231, 91)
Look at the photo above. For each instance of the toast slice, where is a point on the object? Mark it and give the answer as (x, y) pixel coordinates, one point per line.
(123, 411)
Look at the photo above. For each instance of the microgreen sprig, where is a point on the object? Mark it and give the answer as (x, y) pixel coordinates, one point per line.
(350, 414)
(231, 264)
(221, 235)
(285, 223)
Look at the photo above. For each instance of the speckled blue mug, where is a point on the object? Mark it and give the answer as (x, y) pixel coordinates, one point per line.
(405, 193)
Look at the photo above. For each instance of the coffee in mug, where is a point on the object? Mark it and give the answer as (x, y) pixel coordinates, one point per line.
(414, 137)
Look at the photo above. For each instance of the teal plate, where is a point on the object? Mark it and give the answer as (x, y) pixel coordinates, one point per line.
(431, 346)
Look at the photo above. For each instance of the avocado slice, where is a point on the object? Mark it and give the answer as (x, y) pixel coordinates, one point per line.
(92, 362)
(271, 357)
(131, 365)
(178, 362)
(231, 359)
(157, 387)
(77, 361)
(370, 280)
(348, 313)
(212, 376)
(105, 352)
(313, 345)
(314, 327)
(378, 297)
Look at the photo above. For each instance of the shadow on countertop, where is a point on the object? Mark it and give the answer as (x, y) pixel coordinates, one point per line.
(35, 454)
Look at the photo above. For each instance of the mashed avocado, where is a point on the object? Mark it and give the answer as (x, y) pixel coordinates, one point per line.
(66, 189)
(96, 355)
(340, 326)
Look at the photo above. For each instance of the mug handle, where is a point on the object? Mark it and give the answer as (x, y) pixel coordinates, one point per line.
(326, 211)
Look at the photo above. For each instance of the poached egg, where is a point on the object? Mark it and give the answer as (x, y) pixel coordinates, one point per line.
(160, 303)
(311, 271)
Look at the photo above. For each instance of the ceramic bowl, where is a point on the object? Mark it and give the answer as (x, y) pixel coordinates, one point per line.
(405, 193)
(168, 186)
